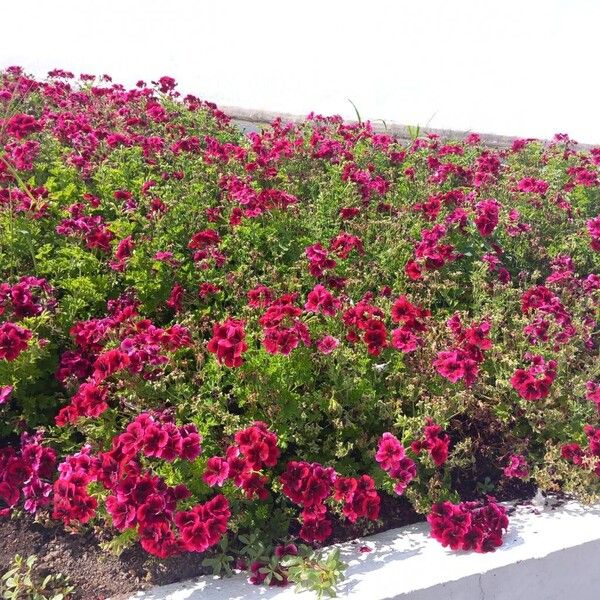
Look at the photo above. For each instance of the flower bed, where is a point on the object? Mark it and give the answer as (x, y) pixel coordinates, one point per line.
(223, 344)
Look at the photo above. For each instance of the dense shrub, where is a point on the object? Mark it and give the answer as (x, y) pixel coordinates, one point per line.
(269, 332)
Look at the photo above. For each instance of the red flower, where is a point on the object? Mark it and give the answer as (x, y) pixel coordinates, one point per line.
(13, 340)
(204, 239)
(488, 212)
(392, 458)
(405, 340)
(315, 529)
(175, 299)
(468, 525)
(390, 451)
(436, 443)
(534, 383)
(258, 445)
(108, 363)
(228, 342)
(320, 300)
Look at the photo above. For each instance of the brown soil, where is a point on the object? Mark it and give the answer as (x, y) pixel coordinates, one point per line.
(95, 573)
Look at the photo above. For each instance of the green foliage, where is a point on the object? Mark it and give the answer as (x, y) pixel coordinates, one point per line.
(22, 582)
(220, 562)
(316, 571)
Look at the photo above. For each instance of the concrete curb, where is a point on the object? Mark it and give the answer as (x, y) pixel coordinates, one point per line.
(547, 555)
(252, 118)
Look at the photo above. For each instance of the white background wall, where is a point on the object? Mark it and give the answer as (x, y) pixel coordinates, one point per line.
(522, 67)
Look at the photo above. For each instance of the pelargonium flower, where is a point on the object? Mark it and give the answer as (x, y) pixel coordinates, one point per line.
(534, 382)
(228, 342)
(469, 525)
(320, 300)
(327, 344)
(175, 299)
(455, 365)
(487, 215)
(343, 244)
(391, 456)
(593, 393)
(258, 445)
(259, 297)
(109, 363)
(405, 340)
(517, 467)
(318, 259)
(13, 340)
(389, 452)
(593, 227)
(217, 471)
(531, 184)
(411, 316)
(283, 330)
(21, 125)
(26, 473)
(435, 442)
(5, 393)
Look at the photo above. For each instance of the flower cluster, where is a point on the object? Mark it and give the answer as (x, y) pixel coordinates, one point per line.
(27, 298)
(463, 360)
(282, 328)
(138, 499)
(534, 382)
(228, 342)
(585, 457)
(411, 319)
(517, 467)
(310, 485)
(255, 448)
(391, 456)
(27, 472)
(487, 213)
(593, 227)
(434, 442)
(593, 393)
(468, 525)
(13, 340)
(541, 303)
(330, 281)
(365, 323)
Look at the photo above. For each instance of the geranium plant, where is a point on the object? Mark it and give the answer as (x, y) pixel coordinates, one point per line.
(208, 336)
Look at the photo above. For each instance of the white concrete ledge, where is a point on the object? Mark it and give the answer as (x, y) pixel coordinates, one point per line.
(252, 119)
(547, 555)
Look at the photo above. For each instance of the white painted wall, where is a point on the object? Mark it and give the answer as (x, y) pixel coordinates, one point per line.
(515, 67)
(549, 554)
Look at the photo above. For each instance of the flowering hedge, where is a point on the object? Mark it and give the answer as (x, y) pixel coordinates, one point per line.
(205, 332)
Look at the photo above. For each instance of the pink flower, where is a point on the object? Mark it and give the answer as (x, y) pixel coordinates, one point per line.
(390, 451)
(487, 214)
(517, 467)
(320, 300)
(392, 458)
(13, 340)
(327, 344)
(534, 383)
(404, 339)
(468, 525)
(217, 471)
(5, 392)
(228, 342)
